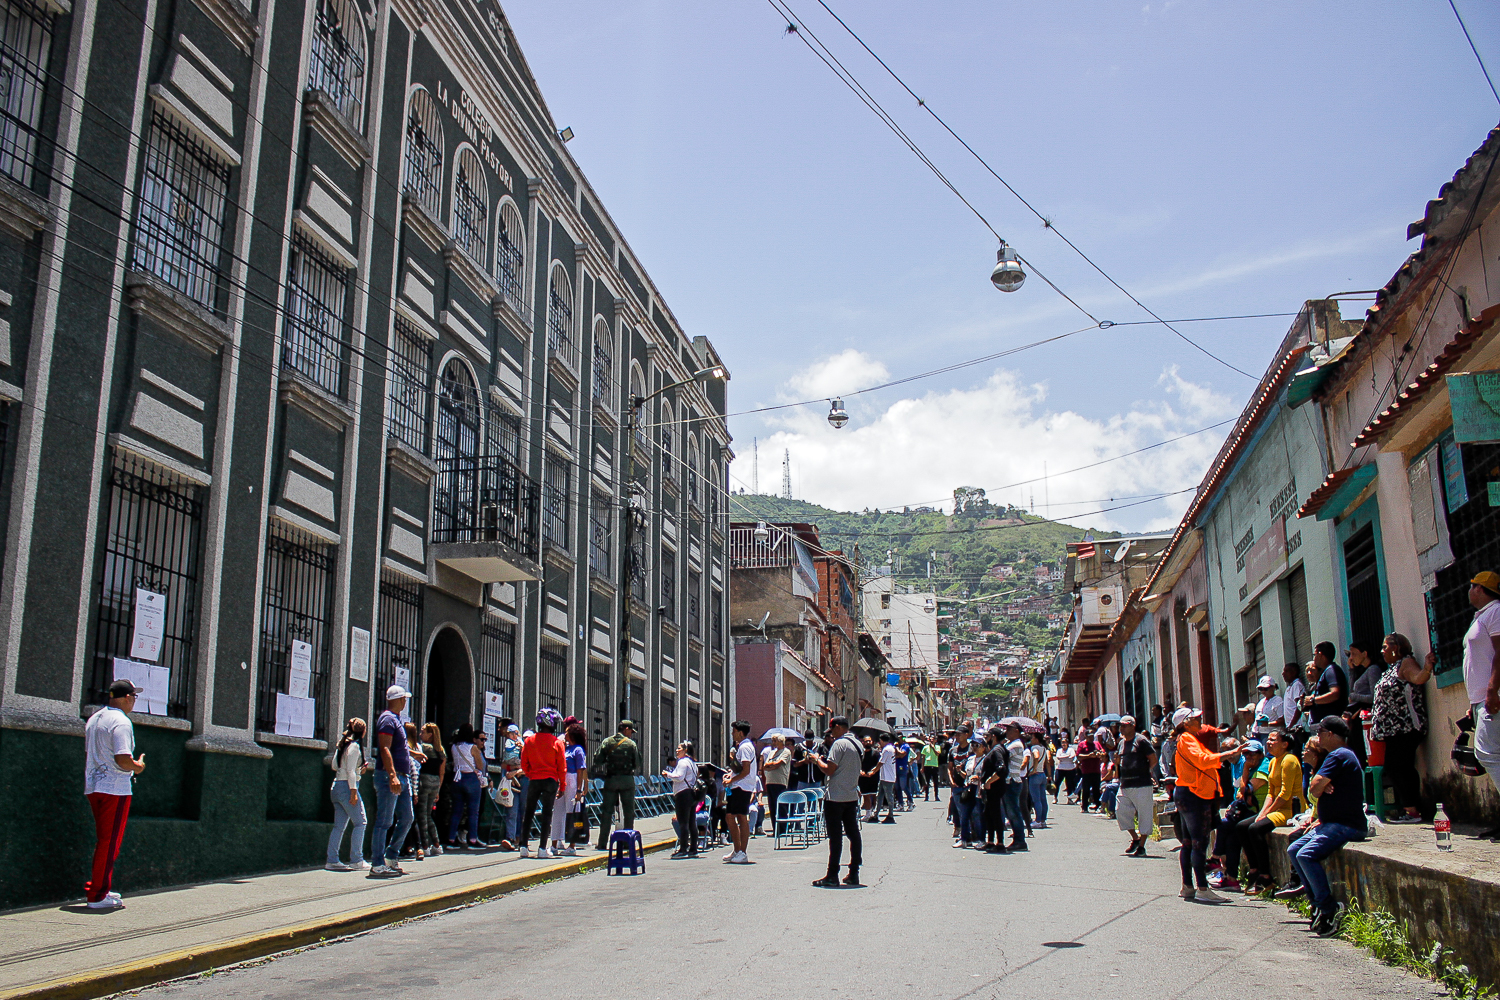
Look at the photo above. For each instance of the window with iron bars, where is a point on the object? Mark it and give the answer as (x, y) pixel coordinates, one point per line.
(560, 317)
(424, 152)
(716, 619)
(313, 342)
(471, 207)
(556, 472)
(552, 678)
(497, 662)
(695, 618)
(336, 62)
(508, 258)
(150, 543)
(179, 223)
(400, 633)
(690, 473)
(25, 54)
(599, 536)
(295, 607)
(411, 363)
(668, 728)
(504, 435)
(604, 369)
(669, 583)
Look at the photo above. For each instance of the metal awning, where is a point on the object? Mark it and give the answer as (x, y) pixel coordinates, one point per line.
(1337, 492)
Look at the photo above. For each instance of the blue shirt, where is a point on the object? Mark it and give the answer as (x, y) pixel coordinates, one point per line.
(1344, 801)
(576, 758)
(390, 724)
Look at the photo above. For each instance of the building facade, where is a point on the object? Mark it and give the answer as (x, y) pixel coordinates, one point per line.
(321, 361)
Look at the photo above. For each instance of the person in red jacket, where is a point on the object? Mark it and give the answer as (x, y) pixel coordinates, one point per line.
(1197, 788)
(544, 763)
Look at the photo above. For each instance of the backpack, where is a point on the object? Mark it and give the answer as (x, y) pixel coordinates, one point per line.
(615, 758)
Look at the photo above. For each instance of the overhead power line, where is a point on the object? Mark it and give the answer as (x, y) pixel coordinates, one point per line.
(1482, 67)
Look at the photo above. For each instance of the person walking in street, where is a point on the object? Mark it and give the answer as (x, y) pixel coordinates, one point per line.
(1039, 759)
(1197, 789)
(1339, 788)
(109, 771)
(684, 777)
(468, 765)
(742, 785)
(570, 802)
(888, 773)
(1135, 804)
(1400, 719)
(546, 767)
(615, 762)
(430, 778)
(1481, 679)
(931, 768)
(393, 806)
(1065, 769)
(348, 767)
(841, 769)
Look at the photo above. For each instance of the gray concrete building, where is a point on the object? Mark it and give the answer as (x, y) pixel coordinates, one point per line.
(323, 368)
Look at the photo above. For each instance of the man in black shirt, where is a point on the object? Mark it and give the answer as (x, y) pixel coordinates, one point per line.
(992, 775)
(1135, 806)
(1330, 694)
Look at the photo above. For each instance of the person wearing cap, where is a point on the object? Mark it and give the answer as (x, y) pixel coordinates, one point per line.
(1339, 788)
(392, 785)
(1481, 679)
(510, 765)
(109, 770)
(1249, 795)
(1196, 790)
(616, 761)
(1135, 804)
(1267, 708)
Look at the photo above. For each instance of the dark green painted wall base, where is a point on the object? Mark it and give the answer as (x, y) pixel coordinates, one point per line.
(194, 816)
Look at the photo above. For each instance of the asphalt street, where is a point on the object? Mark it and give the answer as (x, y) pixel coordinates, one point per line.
(1070, 917)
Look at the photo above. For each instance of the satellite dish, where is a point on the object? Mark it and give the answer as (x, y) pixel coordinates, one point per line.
(1120, 552)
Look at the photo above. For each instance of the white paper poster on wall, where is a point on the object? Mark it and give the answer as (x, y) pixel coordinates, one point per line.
(299, 681)
(359, 654)
(150, 621)
(152, 679)
(489, 732)
(494, 703)
(403, 681)
(294, 716)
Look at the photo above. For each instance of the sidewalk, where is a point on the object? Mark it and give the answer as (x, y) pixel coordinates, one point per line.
(1452, 897)
(69, 951)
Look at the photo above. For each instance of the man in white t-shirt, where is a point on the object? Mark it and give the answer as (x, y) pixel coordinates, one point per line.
(1481, 679)
(741, 783)
(887, 793)
(1268, 709)
(108, 770)
(1015, 785)
(1291, 699)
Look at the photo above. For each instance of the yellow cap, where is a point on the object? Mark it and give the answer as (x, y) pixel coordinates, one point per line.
(1489, 580)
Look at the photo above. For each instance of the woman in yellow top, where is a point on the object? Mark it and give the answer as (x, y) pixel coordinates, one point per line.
(1283, 801)
(1197, 787)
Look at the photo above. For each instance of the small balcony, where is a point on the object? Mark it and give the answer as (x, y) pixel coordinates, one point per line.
(484, 522)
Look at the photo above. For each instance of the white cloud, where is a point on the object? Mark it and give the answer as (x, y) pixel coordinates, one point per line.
(913, 451)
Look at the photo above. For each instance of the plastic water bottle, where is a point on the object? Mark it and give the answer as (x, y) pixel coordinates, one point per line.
(1443, 828)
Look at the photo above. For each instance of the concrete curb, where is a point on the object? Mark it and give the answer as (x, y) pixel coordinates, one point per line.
(186, 962)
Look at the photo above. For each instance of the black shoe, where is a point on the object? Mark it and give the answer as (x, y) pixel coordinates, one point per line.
(1329, 922)
(889, 819)
(827, 882)
(1018, 845)
(1291, 890)
(1140, 851)
(677, 855)
(852, 879)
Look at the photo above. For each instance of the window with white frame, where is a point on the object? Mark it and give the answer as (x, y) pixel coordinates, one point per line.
(179, 223)
(313, 342)
(423, 177)
(336, 61)
(604, 365)
(560, 315)
(25, 55)
(510, 269)
(471, 206)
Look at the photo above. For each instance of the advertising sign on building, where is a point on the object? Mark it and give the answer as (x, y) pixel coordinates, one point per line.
(1267, 556)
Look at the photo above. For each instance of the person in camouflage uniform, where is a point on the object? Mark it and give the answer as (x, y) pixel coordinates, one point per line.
(616, 761)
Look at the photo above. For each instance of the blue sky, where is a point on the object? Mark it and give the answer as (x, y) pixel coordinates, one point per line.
(1215, 158)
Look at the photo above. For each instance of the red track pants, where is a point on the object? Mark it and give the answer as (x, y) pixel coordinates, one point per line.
(109, 825)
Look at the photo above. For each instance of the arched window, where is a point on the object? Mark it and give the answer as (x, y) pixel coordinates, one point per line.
(424, 151)
(668, 423)
(560, 315)
(458, 412)
(336, 62)
(471, 206)
(604, 364)
(693, 472)
(637, 390)
(509, 260)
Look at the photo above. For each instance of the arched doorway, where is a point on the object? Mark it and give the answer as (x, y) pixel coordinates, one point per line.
(449, 698)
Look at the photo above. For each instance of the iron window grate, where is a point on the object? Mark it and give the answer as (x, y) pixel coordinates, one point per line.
(552, 678)
(424, 152)
(179, 224)
(560, 319)
(336, 62)
(471, 212)
(668, 728)
(1475, 540)
(25, 52)
(497, 662)
(508, 260)
(603, 368)
(504, 435)
(151, 542)
(695, 618)
(313, 345)
(400, 630)
(669, 584)
(411, 361)
(295, 605)
(599, 538)
(555, 500)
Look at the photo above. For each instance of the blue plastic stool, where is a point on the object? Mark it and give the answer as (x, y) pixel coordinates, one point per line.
(625, 850)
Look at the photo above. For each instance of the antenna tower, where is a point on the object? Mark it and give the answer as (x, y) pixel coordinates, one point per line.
(786, 474)
(755, 466)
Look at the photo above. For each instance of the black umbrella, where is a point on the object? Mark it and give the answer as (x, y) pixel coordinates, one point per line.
(871, 723)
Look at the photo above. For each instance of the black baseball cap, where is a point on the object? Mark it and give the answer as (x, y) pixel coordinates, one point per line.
(123, 687)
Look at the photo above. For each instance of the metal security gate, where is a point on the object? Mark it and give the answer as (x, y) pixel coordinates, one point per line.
(298, 598)
(1362, 576)
(596, 715)
(552, 678)
(497, 662)
(400, 631)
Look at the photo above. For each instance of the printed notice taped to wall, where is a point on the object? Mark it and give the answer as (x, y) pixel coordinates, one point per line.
(150, 621)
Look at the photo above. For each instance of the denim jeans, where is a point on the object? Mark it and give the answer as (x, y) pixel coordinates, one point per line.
(1013, 791)
(886, 797)
(465, 800)
(513, 816)
(391, 808)
(344, 815)
(1307, 854)
(1038, 783)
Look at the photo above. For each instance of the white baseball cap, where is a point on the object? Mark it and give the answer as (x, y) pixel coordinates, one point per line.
(1266, 682)
(1183, 714)
(396, 691)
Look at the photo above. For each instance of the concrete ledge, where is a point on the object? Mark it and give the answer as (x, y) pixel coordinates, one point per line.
(186, 962)
(1444, 897)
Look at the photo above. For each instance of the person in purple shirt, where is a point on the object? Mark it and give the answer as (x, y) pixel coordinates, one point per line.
(392, 786)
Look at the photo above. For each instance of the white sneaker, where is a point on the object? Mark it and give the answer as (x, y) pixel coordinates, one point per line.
(1209, 896)
(525, 852)
(958, 844)
(107, 904)
(338, 866)
(740, 858)
(544, 854)
(731, 855)
(568, 852)
(358, 866)
(435, 852)
(112, 895)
